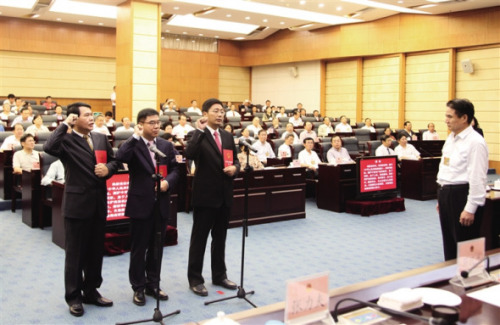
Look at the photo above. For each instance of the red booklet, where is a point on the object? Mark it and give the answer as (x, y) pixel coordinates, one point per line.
(163, 170)
(101, 156)
(228, 157)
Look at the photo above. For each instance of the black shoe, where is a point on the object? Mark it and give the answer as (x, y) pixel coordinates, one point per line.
(158, 294)
(139, 298)
(228, 284)
(98, 301)
(76, 310)
(200, 290)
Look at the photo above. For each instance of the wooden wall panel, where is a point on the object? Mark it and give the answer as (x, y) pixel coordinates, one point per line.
(234, 83)
(482, 88)
(341, 89)
(427, 90)
(381, 90)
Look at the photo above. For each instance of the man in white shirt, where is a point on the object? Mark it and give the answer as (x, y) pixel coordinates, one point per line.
(408, 132)
(295, 119)
(368, 125)
(326, 128)
(343, 127)
(285, 150)
(405, 150)
(182, 129)
(431, 133)
(113, 98)
(108, 118)
(126, 125)
(24, 117)
(385, 149)
(13, 140)
(309, 158)
(264, 149)
(462, 178)
(268, 104)
(54, 173)
(27, 158)
(99, 125)
(6, 113)
(255, 126)
(11, 99)
(289, 130)
(308, 132)
(337, 154)
(281, 113)
(232, 111)
(194, 107)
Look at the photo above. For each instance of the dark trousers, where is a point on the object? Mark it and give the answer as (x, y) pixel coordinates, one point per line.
(145, 267)
(84, 254)
(206, 220)
(452, 200)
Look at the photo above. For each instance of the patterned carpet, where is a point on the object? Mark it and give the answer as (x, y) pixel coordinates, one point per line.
(350, 247)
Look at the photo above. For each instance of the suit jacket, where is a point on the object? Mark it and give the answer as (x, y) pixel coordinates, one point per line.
(141, 191)
(211, 186)
(407, 135)
(84, 192)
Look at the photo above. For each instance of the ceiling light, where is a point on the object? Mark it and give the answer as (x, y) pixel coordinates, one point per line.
(162, 37)
(264, 20)
(339, 8)
(191, 21)
(100, 24)
(302, 2)
(80, 21)
(247, 18)
(200, 34)
(177, 39)
(58, 19)
(216, 36)
(24, 4)
(438, 1)
(426, 6)
(228, 15)
(380, 5)
(321, 5)
(282, 22)
(35, 16)
(239, 38)
(400, 1)
(84, 9)
(184, 33)
(176, 8)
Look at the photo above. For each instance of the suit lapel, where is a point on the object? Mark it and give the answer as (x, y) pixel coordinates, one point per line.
(83, 143)
(143, 149)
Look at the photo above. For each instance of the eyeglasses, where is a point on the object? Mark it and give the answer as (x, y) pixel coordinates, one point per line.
(153, 123)
(216, 111)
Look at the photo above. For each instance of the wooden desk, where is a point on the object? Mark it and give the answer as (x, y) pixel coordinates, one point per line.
(6, 174)
(273, 195)
(31, 199)
(490, 226)
(429, 148)
(418, 178)
(336, 185)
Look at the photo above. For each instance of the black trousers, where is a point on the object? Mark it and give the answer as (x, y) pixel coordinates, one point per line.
(452, 201)
(206, 220)
(84, 255)
(145, 268)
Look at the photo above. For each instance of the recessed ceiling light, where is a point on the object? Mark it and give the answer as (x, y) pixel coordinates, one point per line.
(339, 8)
(58, 19)
(216, 36)
(184, 33)
(200, 34)
(80, 21)
(239, 38)
(380, 5)
(167, 30)
(264, 20)
(302, 2)
(282, 22)
(177, 39)
(321, 5)
(100, 24)
(193, 41)
(247, 18)
(426, 6)
(162, 37)
(176, 8)
(400, 1)
(228, 15)
(190, 21)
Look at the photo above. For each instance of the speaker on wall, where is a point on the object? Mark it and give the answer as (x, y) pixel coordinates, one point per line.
(294, 72)
(467, 66)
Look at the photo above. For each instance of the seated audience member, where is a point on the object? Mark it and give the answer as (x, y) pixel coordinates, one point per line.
(385, 149)
(316, 115)
(54, 173)
(388, 132)
(309, 158)
(246, 106)
(255, 126)
(431, 133)
(27, 158)
(308, 132)
(268, 115)
(275, 110)
(289, 130)
(24, 117)
(268, 104)
(273, 129)
(37, 126)
(172, 138)
(475, 126)
(11, 100)
(233, 112)
(245, 136)
(19, 103)
(285, 150)
(299, 106)
(58, 113)
(194, 107)
(303, 113)
(408, 132)
(170, 106)
(369, 126)
(295, 119)
(264, 149)
(168, 127)
(343, 127)
(182, 129)
(49, 104)
(253, 160)
(326, 128)
(337, 154)
(126, 125)
(405, 150)
(99, 125)
(229, 128)
(108, 119)
(13, 140)
(6, 113)
(282, 112)
(30, 109)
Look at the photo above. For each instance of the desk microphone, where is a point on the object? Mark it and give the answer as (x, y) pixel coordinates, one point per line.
(248, 146)
(465, 274)
(427, 320)
(155, 150)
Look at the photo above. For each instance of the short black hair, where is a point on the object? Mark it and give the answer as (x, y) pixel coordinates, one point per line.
(35, 117)
(75, 108)
(335, 136)
(384, 137)
(144, 113)
(261, 130)
(289, 135)
(307, 139)
(406, 122)
(11, 96)
(108, 113)
(400, 135)
(462, 106)
(48, 97)
(25, 137)
(230, 125)
(166, 124)
(23, 109)
(208, 103)
(366, 119)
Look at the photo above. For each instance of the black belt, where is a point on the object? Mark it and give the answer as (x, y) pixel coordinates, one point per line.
(453, 186)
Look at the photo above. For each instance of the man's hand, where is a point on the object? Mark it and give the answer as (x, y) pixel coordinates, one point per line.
(230, 170)
(437, 208)
(201, 123)
(466, 218)
(101, 170)
(138, 130)
(164, 185)
(71, 119)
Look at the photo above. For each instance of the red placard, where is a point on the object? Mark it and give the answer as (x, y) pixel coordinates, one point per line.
(377, 174)
(101, 156)
(228, 157)
(163, 170)
(117, 186)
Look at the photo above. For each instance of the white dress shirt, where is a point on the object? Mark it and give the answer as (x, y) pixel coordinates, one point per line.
(24, 160)
(103, 129)
(264, 150)
(232, 114)
(465, 161)
(427, 135)
(305, 134)
(309, 159)
(296, 139)
(324, 130)
(341, 156)
(371, 128)
(254, 129)
(295, 122)
(409, 152)
(9, 143)
(343, 128)
(194, 109)
(284, 151)
(180, 131)
(55, 173)
(384, 151)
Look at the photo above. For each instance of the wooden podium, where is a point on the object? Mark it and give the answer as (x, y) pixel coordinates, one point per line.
(336, 185)
(418, 178)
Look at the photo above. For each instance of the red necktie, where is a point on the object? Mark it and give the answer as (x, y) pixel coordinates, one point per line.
(217, 140)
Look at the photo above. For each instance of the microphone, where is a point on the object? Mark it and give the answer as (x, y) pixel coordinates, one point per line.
(427, 320)
(155, 150)
(465, 274)
(248, 145)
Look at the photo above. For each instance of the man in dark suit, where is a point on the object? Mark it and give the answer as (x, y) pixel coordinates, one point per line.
(215, 157)
(408, 132)
(145, 267)
(88, 160)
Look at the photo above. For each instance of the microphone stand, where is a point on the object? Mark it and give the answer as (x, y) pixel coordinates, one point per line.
(157, 315)
(241, 291)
